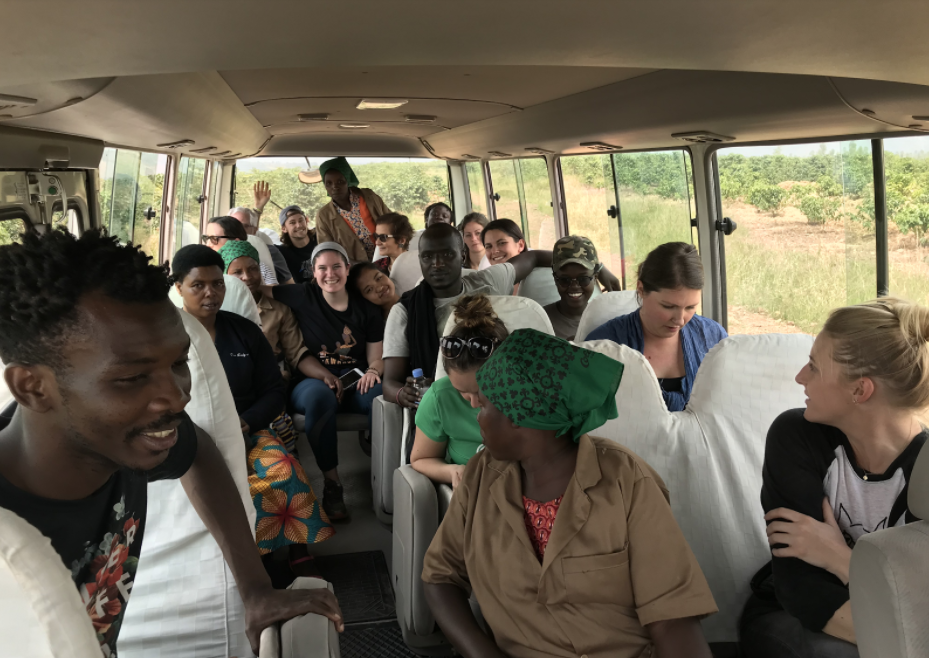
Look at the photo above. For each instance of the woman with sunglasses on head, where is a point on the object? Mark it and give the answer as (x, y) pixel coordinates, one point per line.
(447, 433)
(666, 328)
(574, 266)
(392, 235)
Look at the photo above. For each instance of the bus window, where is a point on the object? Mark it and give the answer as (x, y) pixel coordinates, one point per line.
(70, 222)
(526, 198)
(407, 185)
(217, 206)
(590, 195)
(906, 171)
(804, 243)
(477, 187)
(190, 175)
(131, 191)
(655, 192)
(10, 230)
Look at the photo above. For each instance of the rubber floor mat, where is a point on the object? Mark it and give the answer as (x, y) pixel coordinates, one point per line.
(362, 584)
(374, 641)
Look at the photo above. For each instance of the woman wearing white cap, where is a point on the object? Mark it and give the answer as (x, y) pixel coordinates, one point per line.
(343, 333)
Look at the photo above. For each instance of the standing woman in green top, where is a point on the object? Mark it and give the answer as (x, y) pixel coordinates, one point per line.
(447, 433)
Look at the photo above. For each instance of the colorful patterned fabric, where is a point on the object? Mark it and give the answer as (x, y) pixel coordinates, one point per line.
(540, 519)
(235, 249)
(360, 221)
(288, 512)
(283, 426)
(546, 383)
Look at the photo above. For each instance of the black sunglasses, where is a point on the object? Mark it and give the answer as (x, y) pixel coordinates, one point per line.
(566, 281)
(214, 239)
(381, 237)
(480, 347)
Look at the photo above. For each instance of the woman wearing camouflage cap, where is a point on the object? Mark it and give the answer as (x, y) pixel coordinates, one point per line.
(575, 266)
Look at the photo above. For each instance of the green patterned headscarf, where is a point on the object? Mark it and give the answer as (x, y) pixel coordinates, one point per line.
(235, 249)
(341, 165)
(542, 382)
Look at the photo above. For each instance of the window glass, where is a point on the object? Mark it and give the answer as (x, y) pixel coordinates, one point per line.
(107, 171)
(805, 239)
(537, 194)
(477, 187)
(150, 191)
(10, 230)
(124, 197)
(131, 191)
(70, 222)
(654, 202)
(906, 171)
(504, 182)
(407, 185)
(589, 194)
(217, 205)
(191, 172)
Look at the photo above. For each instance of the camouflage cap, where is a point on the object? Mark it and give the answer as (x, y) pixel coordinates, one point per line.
(575, 249)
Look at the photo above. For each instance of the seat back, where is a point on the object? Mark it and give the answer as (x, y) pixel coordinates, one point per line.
(41, 613)
(406, 272)
(185, 602)
(238, 299)
(603, 309)
(516, 313)
(540, 287)
(386, 426)
(710, 455)
(889, 581)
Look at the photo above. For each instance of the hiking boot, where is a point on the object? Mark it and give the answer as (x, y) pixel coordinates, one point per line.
(334, 501)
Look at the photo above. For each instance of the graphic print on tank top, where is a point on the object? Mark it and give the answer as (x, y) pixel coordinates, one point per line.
(863, 506)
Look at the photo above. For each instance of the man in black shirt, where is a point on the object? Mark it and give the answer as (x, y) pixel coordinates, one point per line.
(96, 359)
(297, 242)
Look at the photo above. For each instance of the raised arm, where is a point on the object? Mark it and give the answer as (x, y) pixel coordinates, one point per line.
(213, 493)
(527, 261)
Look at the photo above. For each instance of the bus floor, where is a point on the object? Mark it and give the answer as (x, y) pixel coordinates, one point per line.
(357, 559)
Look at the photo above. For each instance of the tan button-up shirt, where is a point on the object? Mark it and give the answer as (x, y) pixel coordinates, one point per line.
(616, 559)
(332, 227)
(279, 326)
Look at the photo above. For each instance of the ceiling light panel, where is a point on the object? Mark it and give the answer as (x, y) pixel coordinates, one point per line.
(381, 104)
(353, 126)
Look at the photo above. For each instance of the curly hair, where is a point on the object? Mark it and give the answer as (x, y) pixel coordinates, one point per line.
(400, 228)
(43, 279)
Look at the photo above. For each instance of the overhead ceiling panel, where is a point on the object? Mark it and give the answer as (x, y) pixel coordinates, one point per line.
(383, 145)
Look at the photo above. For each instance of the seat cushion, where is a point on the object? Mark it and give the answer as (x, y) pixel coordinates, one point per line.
(406, 272)
(603, 309)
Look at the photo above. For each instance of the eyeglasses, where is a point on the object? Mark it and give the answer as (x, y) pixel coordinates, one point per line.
(480, 347)
(214, 239)
(381, 237)
(566, 281)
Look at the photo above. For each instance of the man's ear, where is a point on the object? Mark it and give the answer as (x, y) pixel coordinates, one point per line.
(33, 387)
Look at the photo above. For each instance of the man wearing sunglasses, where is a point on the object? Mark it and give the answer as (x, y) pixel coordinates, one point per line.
(575, 266)
(411, 338)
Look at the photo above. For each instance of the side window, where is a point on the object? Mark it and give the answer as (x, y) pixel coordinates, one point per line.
(131, 192)
(477, 187)
(805, 240)
(190, 176)
(590, 197)
(10, 230)
(217, 205)
(525, 197)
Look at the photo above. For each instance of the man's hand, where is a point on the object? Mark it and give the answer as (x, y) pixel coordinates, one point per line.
(819, 544)
(609, 280)
(409, 396)
(262, 194)
(335, 384)
(268, 606)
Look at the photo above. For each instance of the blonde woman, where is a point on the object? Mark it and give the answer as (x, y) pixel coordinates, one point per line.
(835, 471)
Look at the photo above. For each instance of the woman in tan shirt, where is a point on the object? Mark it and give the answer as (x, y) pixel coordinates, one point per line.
(567, 541)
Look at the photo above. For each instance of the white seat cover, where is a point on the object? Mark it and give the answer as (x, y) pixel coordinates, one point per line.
(238, 299)
(406, 272)
(268, 273)
(710, 455)
(185, 603)
(41, 613)
(604, 308)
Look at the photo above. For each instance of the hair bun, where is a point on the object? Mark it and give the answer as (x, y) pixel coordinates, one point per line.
(475, 312)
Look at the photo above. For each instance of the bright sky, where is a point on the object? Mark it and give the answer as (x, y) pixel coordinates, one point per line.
(917, 146)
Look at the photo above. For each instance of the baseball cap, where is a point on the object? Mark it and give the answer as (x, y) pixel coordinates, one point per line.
(575, 249)
(289, 210)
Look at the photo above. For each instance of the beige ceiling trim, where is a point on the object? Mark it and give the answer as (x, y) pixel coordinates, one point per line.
(408, 98)
(333, 124)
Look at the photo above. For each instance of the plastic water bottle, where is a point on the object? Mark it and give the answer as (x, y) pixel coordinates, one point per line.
(419, 383)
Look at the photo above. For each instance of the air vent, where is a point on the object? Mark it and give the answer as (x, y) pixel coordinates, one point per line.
(468, 156)
(204, 150)
(702, 137)
(322, 116)
(428, 147)
(221, 153)
(8, 102)
(178, 144)
(420, 118)
(536, 149)
(500, 154)
(921, 117)
(600, 146)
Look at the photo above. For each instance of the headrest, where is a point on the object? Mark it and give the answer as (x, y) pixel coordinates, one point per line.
(604, 308)
(238, 299)
(918, 498)
(516, 313)
(406, 272)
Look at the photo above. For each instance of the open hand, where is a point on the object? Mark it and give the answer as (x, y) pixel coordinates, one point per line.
(261, 193)
(269, 606)
(818, 543)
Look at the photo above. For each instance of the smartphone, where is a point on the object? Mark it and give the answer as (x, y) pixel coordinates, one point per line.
(350, 378)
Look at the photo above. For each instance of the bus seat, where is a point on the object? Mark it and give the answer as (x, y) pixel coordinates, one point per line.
(414, 243)
(889, 582)
(711, 454)
(386, 430)
(420, 505)
(406, 272)
(185, 602)
(540, 287)
(41, 612)
(238, 299)
(604, 308)
(5, 396)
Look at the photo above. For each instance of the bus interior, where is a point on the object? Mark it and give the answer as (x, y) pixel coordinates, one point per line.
(788, 141)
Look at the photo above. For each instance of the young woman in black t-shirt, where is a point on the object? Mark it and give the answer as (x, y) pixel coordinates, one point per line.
(835, 471)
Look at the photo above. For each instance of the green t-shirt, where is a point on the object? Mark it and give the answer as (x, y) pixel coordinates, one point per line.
(443, 415)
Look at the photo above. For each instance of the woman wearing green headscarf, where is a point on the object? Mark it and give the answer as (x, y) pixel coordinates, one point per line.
(566, 540)
(350, 218)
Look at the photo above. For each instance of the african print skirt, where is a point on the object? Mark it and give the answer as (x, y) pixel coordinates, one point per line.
(288, 511)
